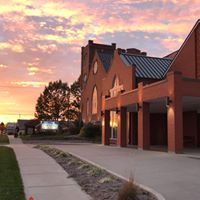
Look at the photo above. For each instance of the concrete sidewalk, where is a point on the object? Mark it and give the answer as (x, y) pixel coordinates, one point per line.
(176, 177)
(43, 178)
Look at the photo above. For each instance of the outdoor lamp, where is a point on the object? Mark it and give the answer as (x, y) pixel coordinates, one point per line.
(117, 110)
(102, 113)
(168, 101)
(137, 107)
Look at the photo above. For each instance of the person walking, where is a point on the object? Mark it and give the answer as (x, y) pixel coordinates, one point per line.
(16, 132)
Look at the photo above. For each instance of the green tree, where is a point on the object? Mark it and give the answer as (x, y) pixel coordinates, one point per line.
(54, 102)
(75, 100)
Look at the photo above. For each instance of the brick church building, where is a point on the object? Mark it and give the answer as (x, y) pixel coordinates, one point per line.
(142, 100)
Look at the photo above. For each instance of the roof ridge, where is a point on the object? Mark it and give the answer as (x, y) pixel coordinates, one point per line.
(146, 56)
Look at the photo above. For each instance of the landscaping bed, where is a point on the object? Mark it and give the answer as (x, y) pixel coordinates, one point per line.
(11, 187)
(4, 139)
(98, 183)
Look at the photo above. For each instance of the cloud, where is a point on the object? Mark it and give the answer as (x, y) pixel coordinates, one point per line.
(3, 66)
(29, 83)
(18, 48)
(7, 103)
(49, 48)
(33, 70)
(41, 41)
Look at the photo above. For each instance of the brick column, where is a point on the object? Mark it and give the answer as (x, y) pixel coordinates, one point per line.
(175, 113)
(122, 128)
(144, 126)
(106, 131)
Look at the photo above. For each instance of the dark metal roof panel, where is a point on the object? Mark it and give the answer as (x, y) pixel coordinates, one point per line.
(106, 59)
(147, 67)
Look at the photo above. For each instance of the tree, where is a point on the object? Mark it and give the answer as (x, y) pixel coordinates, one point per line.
(2, 127)
(54, 102)
(75, 91)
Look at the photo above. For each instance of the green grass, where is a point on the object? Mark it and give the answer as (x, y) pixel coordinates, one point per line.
(11, 187)
(4, 139)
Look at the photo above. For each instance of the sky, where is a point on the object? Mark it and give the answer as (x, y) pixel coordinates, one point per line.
(40, 40)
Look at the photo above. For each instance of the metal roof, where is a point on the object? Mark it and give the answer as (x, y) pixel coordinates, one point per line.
(105, 59)
(147, 67)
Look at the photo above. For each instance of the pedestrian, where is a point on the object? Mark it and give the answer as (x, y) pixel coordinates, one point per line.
(16, 132)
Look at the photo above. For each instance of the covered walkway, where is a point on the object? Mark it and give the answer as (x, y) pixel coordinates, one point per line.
(165, 113)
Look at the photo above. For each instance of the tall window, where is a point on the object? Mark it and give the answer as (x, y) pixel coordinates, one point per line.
(116, 87)
(87, 107)
(94, 101)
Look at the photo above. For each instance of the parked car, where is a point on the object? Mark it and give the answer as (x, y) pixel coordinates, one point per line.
(11, 128)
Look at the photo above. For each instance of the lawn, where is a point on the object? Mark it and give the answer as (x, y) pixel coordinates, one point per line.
(4, 139)
(11, 187)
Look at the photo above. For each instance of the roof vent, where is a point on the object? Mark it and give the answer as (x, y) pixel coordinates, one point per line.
(133, 51)
(119, 50)
(144, 53)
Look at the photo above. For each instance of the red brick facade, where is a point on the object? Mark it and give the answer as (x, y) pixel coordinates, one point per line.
(145, 108)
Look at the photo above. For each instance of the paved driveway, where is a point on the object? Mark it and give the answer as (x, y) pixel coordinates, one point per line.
(176, 177)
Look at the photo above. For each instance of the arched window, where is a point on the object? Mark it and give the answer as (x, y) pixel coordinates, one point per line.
(116, 87)
(94, 101)
(116, 82)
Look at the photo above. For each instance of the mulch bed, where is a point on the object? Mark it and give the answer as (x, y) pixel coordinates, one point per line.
(98, 183)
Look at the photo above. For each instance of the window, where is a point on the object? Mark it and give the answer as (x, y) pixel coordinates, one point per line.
(87, 107)
(116, 87)
(94, 101)
(113, 124)
(95, 68)
(85, 78)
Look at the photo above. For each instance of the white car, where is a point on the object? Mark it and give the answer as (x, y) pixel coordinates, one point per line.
(11, 128)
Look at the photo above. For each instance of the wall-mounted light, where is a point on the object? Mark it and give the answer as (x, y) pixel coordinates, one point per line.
(107, 96)
(168, 101)
(117, 110)
(137, 107)
(102, 113)
(122, 91)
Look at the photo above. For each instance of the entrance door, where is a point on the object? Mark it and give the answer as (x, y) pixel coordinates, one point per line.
(133, 128)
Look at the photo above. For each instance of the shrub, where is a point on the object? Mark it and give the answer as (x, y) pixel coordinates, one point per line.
(75, 129)
(128, 191)
(90, 131)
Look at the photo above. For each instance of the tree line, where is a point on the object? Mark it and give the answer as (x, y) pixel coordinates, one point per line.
(59, 101)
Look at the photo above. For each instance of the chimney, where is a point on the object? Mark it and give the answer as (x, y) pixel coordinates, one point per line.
(114, 45)
(90, 41)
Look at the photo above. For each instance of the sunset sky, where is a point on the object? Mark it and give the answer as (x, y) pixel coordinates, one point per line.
(40, 40)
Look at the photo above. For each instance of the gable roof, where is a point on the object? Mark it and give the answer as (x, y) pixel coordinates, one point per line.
(147, 67)
(171, 55)
(106, 59)
(183, 45)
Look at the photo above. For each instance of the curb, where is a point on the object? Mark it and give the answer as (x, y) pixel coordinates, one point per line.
(148, 189)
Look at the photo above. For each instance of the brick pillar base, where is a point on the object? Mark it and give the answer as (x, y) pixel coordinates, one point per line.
(175, 127)
(122, 128)
(144, 126)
